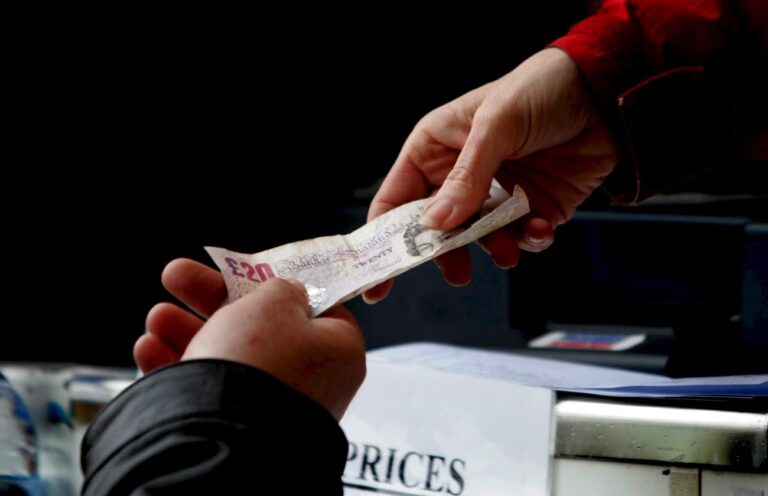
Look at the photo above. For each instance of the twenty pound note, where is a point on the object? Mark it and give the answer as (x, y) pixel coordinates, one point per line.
(337, 268)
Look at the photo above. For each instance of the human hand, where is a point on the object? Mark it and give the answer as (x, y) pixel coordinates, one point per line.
(534, 127)
(270, 329)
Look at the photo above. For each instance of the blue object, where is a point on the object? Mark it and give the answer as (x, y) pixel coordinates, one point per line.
(18, 446)
(57, 415)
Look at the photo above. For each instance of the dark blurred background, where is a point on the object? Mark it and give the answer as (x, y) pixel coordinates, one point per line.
(158, 135)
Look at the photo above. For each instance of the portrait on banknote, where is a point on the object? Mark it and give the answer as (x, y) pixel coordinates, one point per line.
(417, 239)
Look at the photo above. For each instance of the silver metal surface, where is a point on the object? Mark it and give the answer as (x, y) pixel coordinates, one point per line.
(607, 429)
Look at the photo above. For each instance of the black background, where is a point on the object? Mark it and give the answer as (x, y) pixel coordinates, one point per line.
(146, 136)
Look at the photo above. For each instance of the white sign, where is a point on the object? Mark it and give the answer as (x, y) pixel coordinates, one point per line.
(417, 431)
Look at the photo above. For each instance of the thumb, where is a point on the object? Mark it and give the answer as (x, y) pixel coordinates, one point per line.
(468, 183)
(283, 294)
(275, 300)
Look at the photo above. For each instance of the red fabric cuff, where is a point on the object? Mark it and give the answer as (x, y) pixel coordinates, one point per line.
(607, 49)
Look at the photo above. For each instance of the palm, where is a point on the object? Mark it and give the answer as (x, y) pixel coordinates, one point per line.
(534, 127)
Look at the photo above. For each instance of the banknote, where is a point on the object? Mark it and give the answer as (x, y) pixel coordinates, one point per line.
(334, 269)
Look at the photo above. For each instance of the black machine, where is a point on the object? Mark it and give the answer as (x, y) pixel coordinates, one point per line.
(684, 281)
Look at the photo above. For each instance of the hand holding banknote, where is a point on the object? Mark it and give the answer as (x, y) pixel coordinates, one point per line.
(334, 269)
(270, 329)
(534, 127)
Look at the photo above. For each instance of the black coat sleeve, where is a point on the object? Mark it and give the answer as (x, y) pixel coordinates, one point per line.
(212, 427)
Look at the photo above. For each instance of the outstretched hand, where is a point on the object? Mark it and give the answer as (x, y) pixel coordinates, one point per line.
(534, 127)
(270, 329)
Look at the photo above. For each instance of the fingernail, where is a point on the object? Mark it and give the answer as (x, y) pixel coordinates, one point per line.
(503, 266)
(505, 262)
(370, 301)
(436, 213)
(535, 241)
(456, 284)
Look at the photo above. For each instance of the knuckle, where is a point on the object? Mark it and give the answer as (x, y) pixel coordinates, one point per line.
(485, 117)
(463, 174)
(489, 120)
(435, 116)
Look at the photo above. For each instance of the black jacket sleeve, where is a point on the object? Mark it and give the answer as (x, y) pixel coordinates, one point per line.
(212, 427)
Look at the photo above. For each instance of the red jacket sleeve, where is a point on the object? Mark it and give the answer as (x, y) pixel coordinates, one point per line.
(681, 82)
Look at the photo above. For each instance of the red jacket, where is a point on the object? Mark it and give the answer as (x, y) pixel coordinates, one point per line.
(682, 83)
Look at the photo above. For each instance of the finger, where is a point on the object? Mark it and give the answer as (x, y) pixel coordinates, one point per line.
(467, 185)
(456, 266)
(284, 294)
(555, 208)
(424, 160)
(197, 285)
(338, 312)
(378, 292)
(502, 245)
(339, 317)
(174, 326)
(537, 235)
(276, 301)
(150, 352)
(338, 327)
(404, 183)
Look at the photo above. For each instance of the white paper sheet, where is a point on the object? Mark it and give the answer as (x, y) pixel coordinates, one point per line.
(507, 366)
(566, 376)
(416, 431)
